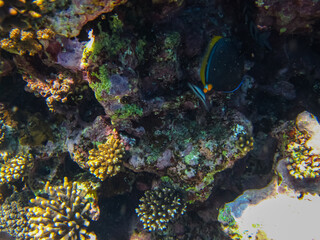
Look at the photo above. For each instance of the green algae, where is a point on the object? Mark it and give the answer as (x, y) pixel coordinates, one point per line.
(103, 85)
(193, 157)
(127, 111)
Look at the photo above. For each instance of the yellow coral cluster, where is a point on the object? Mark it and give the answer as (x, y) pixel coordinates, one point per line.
(106, 160)
(245, 142)
(63, 214)
(13, 220)
(14, 167)
(21, 41)
(302, 163)
(54, 90)
(160, 206)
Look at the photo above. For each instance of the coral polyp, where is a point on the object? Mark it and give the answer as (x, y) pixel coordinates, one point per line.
(63, 214)
(159, 207)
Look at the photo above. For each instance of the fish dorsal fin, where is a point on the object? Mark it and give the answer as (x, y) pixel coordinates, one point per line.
(214, 40)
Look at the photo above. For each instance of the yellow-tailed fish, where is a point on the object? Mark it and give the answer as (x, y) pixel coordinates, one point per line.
(221, 68)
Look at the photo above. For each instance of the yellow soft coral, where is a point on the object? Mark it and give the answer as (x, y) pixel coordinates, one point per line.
(106, 160)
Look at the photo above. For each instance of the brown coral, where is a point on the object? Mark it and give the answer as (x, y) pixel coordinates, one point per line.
(54, 90)
(105, 161)
(63, 214)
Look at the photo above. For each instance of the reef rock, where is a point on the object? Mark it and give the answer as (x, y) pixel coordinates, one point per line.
(290, 17)
(309, 123)
(285, 208)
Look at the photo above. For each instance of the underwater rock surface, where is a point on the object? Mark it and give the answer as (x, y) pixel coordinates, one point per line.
(285, 208)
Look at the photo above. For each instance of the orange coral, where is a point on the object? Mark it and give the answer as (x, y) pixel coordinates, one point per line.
(22, 42)
(54, 90)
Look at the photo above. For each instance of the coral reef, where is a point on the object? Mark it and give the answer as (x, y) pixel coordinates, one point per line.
(290, 198)
(302, 163)
(13, 168)
(191, 154)
(97, 92)
(106, 160)
(63, 214)
(302, 149)
(160, 206)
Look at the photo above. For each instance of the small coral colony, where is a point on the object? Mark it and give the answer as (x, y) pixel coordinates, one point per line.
(142, 119)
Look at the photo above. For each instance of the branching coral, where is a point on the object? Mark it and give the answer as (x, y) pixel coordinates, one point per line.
(160, 206)
(54, 90)
(302, 163)
(63, 214)
(14, 167)
(21, 41)
(105, 161)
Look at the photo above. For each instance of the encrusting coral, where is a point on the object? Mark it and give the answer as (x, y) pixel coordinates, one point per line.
(63, 214)
(54, 90)
(13, 219)
(160, 206)
(106, 160)
(14, 167)
(302, 163)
